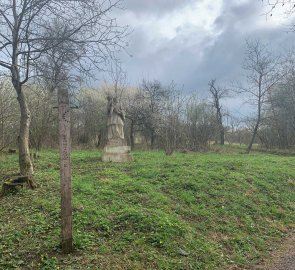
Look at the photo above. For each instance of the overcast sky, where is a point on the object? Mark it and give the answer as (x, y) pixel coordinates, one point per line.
(193, 41)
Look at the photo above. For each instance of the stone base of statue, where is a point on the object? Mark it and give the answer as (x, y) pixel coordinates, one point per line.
(117, 151)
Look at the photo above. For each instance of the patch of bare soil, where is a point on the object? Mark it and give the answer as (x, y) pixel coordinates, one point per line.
(283, 257)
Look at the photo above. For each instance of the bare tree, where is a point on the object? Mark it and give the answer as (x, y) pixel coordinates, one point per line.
(118, 79)
(25, 37)
(262, 74)
(42, 113)
(235, 129)
(171, 128)
(287, 8)
(199, 124)
(89, 120)
(153, 94)
(8, 115)
(134, 105)
(279, 125)
(218, 93)
(288, 5)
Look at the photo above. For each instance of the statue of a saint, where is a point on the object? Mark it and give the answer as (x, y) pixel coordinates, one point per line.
(116, 149)
(116, 118)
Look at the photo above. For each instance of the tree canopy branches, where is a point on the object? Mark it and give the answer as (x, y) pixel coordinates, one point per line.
(75, 34)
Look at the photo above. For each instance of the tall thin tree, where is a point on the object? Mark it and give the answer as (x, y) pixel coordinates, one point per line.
(217, 93)
(262, 69)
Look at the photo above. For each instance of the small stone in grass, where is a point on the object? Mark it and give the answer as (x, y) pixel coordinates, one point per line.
(182, 252)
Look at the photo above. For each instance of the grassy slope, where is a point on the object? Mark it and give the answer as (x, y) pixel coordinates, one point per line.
(186, 211)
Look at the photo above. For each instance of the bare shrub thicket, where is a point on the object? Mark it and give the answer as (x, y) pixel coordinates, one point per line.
(163, 117)
(8, 116)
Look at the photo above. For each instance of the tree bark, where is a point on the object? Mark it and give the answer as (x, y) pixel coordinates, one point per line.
(221, 130)
(25, 162)
(2, 123)
(152, 140)
(258, 113)
(253, 138)
(257, 122)
(132, 135)
(219, 120)
(217, 94)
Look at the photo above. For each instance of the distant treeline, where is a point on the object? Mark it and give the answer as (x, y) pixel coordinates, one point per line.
(157, 117)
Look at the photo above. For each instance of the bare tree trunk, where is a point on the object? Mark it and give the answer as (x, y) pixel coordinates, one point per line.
(132, 134)
(257, 122)
(152, 140)
(218, 93)
(221, 130)
(253, 138)
(65, 170)
(2, 121)
(219, 120)
(25, 162)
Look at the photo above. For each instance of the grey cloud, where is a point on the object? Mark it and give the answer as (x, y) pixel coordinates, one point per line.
(193, 56)
(167, 60)
(238, 15)
(155, 7)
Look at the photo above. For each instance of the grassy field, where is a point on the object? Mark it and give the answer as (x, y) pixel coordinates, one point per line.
(185, 211)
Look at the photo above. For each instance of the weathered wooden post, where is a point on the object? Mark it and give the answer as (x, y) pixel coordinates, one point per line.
(65, 170)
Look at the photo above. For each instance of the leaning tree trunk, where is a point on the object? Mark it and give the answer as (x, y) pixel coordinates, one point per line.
(25, 162)
(257, 122)
(253, 138)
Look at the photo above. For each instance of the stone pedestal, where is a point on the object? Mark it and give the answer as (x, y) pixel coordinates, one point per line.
(116, 153)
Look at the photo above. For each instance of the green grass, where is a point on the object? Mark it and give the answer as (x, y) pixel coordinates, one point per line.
(185, 211)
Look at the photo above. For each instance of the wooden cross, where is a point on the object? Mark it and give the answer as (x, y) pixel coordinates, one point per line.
(64, 121)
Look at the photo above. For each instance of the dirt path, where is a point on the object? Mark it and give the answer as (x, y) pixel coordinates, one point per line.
(283, 257)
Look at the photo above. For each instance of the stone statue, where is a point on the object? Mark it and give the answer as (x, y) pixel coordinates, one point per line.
(116, 119)
(116, 149)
